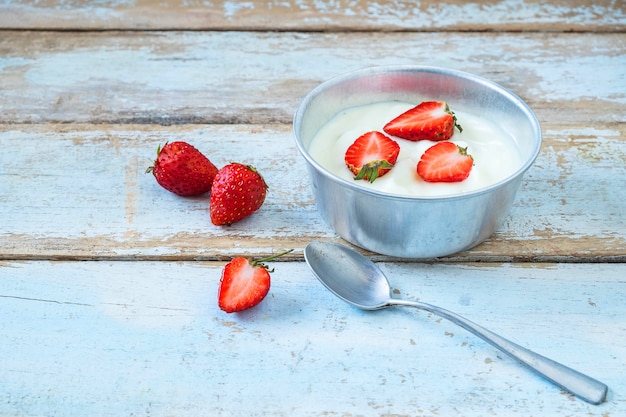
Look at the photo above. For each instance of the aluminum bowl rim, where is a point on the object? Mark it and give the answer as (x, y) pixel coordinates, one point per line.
(338, 79)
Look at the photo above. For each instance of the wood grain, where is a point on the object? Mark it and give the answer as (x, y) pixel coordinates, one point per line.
(309, 15)
(149, 335)
(108, 283)
(73, 102)
(172, 78)
(81, 192)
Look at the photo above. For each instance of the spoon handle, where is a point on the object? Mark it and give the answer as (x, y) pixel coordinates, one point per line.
(581, 385)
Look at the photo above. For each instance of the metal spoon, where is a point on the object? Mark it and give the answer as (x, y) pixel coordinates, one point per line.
(358, 281)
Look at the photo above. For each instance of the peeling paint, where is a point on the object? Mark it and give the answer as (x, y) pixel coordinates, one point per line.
(315, 14)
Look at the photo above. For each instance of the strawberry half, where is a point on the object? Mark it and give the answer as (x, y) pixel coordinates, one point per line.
(371, 155)
(244, 283)
(182, 169)
(445, 162)
(238, 191)
(430, 120)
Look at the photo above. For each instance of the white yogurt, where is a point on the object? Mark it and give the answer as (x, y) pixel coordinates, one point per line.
(495, 153)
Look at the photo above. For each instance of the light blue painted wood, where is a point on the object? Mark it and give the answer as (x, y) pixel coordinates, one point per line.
(143, 338)
(90, 196)
(297, 15)
(147, 338)
(252, 77)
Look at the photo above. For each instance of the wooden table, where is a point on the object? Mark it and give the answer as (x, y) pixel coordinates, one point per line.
(108, 283)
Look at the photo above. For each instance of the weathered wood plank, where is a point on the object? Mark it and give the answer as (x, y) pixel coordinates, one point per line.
(80, 192)
(89, 89)
(147, 338)
(234, 77)
(309, 15)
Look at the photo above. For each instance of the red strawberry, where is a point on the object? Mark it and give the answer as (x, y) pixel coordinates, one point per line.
(182, 169)
(244, 283)
(371, 155)
(238, 191)
(445, 162)
(430, 120)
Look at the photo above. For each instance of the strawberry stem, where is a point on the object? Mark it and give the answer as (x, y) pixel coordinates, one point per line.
(261, 263)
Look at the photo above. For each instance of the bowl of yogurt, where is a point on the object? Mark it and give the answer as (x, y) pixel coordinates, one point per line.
(399, 214)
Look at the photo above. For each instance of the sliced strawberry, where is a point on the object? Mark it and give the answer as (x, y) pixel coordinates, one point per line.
(445, 162)
(244, 283)
(430, 120)
(371, 155)
(182, 169)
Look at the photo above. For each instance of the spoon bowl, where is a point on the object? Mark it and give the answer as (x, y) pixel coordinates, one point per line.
(358, 281)
(365, 286)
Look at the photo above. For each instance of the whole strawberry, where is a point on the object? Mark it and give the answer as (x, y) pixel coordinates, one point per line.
(238, 191)
(182, 169)
(244, 283)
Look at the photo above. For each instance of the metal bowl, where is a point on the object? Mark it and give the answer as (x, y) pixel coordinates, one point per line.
(414, 227)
